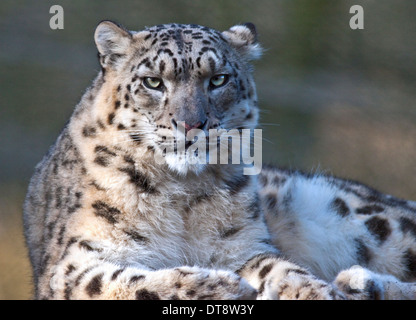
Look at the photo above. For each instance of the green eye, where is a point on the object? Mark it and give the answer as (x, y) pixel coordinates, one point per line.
(153, 83)
(218, 80)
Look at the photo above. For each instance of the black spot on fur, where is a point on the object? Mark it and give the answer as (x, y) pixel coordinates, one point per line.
(100, 124)
(136, 236)
(198, 62)
(190, 293)
(61, 235)
(278, 181)
(101, 161)
(399, 203)
(110, 118)
(97, 186)
(340, 207)
(229, 232)
(212, 65)
(370, 209)
(104, 150)
(162, 66)
(237, 184)
(128, 159)
(297, 271)
(167, 51)
(255, 262)
(205, 297)
(69, 269)
(265, 270)
(407, 225)
(410, 262)
(363, 253)
(270, 201)
(241, 84)
(139, 179)
(70, 242)
(144, 294)
(94, 286)
(81, 276)
(145, 62)
(58, 197)
(206, 49)
(379, 227)
(116, 274)
(67, 291)
(89, 132)
(44, 263)
(263, 179)
(105, 211)
(261, 287)
(86, 245)
(135, 279)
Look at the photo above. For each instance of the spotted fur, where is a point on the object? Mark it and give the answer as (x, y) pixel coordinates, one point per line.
(106, 219)
(329, 224)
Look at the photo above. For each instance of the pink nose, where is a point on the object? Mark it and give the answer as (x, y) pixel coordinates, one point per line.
(198, 125)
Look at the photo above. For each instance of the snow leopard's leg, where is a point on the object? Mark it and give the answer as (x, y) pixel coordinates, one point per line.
(274, 277)
(329, 225)
(83, 275)
(359, 283)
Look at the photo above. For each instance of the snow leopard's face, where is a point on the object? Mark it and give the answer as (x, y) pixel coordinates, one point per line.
(170, 80)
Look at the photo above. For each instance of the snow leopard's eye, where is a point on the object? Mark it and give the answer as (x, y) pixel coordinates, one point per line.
(153, 83)
(218, 80)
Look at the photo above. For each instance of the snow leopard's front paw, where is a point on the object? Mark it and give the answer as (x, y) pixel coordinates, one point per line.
(358, 283)
(201, 284)
(300, 287)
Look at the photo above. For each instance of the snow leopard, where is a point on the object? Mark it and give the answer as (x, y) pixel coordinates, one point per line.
(109, 214)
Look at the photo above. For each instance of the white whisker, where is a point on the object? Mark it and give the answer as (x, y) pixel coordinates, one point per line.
(269, 124)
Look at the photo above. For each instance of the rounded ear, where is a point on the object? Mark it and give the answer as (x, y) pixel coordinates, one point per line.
(111, 38)
(244, 39)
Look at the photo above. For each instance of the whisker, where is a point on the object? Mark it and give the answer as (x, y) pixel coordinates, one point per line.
(267, 140)
(134, 131)
(269, 124)
(126, 141)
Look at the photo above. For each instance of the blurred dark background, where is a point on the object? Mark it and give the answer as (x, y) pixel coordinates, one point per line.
(334, 99)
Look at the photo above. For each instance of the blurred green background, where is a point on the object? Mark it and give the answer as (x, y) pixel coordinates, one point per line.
(334, 99)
